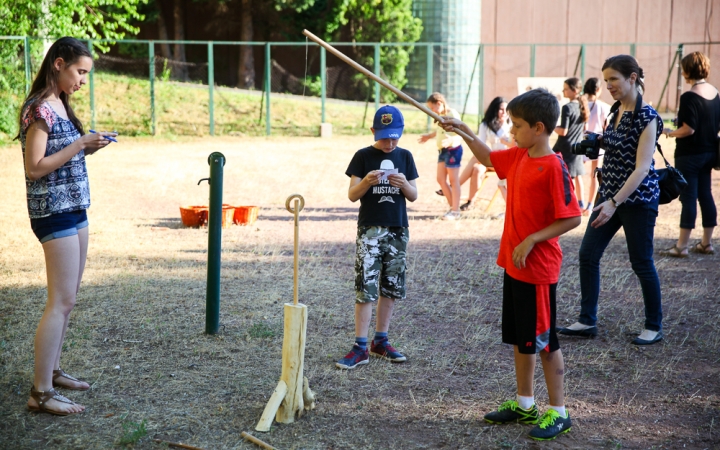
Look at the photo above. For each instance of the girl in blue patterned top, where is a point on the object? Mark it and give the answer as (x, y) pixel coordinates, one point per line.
(54, 146)
(629, 199)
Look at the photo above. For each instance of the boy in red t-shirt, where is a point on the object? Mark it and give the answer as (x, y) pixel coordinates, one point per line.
(541, 205)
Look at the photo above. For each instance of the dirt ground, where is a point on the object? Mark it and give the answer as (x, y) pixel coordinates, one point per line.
(137, 332)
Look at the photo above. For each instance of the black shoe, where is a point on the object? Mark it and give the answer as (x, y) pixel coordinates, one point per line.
(587, 332)
(551, 426)
(510, 411)
(658, 338)
(465, 206)
(440, 193)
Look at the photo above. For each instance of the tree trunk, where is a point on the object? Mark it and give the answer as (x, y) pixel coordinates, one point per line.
(246, 69)
(163, 33)
(179, 34)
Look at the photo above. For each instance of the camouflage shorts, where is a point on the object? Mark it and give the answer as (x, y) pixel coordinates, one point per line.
(380, 259)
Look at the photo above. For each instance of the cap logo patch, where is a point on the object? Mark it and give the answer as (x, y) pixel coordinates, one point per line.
(386, 119)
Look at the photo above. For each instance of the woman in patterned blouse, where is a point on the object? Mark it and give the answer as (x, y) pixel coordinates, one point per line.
(629, 192)
(54, 146)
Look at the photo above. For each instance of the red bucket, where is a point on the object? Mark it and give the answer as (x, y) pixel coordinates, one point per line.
(245, 215)
(194, 216)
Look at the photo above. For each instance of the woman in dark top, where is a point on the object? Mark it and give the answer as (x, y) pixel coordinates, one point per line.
(696, 152)
(573, 117)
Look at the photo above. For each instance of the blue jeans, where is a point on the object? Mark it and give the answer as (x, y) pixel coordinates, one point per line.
(697, 170)
(638, 221)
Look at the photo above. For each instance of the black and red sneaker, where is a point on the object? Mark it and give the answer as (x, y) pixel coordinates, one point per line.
(383, 349)
(356, 357)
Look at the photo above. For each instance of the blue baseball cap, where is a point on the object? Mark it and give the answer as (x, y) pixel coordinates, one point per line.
(388, 123)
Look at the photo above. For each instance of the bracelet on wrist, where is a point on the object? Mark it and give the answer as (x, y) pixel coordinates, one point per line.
(614, 202)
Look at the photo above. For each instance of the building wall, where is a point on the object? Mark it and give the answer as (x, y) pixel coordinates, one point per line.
(667, 22)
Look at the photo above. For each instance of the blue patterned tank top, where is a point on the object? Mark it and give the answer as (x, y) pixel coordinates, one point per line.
(66, 188)
(621, 146)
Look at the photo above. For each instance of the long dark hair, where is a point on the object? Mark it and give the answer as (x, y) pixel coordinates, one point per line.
(591, 86)
(490, 118)
(70, 50)
(626, 65)
(574, 84)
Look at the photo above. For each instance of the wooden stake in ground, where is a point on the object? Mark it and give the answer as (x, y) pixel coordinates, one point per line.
(382, 82)
(292, 396)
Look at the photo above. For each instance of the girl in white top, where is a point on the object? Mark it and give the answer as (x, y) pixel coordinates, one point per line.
(599, 111)
(450, 155)
(495, 132)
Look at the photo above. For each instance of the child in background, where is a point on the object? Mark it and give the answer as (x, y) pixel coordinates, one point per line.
(495, 132)
(599, 111)
(541, 206)
(573, 118)
(382, 177)
(450, 148)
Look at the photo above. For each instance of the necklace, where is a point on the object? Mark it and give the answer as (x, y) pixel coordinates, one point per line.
(699, 82)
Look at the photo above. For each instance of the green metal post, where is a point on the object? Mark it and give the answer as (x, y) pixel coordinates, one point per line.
(679, 78)
(151, 60)
(323, 82)
(92, 88)
(211, 86)
(481, 76)
(376, 69)
(429, 78)
(632, 50)
(216, 161)
(28, 75)
(532, 60)
(582, 62)
(267, 88)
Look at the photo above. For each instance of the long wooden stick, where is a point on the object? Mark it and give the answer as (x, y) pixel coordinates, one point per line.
(177, 444)
(256, 441)
(384, 83)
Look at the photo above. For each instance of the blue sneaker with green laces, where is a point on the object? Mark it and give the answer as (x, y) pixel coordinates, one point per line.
(510, 411)
(551, 425)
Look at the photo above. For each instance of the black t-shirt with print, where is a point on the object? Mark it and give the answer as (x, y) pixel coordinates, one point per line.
(383, 204)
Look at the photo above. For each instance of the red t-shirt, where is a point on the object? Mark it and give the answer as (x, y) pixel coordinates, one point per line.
(540, 191)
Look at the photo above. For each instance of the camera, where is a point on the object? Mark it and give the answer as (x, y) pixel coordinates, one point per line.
(590, 146)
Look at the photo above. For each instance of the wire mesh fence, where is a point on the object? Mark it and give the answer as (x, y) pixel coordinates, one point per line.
(140, 88)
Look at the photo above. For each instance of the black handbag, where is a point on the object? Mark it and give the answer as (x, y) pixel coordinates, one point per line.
(670, 181)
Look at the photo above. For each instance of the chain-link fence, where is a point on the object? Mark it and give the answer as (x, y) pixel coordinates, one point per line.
(139, 88)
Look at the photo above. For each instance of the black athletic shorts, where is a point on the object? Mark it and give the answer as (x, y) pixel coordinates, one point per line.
(528, 316)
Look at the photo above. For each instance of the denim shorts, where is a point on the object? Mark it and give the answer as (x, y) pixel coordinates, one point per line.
(58, 226)
(451, 157)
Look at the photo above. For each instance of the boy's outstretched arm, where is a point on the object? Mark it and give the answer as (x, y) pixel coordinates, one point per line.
(359, 186)
(557, 228)
(479, 149)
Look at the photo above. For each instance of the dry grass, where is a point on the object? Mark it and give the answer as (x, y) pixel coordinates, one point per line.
(141, 307)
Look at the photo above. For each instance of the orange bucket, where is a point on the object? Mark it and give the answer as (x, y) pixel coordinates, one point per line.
(194, 216)
(228, 215)
(245, 215)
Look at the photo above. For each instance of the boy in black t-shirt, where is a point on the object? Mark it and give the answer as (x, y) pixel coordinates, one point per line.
(382, 177)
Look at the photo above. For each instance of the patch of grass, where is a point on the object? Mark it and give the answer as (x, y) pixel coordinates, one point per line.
(132, 431)
(261, 330)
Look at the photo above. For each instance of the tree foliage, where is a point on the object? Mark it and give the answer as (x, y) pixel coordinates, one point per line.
(88, 19)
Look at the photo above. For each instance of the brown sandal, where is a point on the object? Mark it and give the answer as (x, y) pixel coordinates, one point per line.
(675, 252)
(42, 397)
(59, 373)
(704, 249)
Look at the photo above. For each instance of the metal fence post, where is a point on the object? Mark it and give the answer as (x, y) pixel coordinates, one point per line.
(268, 66)
(216, 161)
(481, 76)
(679, 78)
(632, 50)
(582, 62)
(92, 88)
(151, 60)
(428, 78)
(376, 64)
(323, 82)
(532, 60)
(211, 86)
(28, 75)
